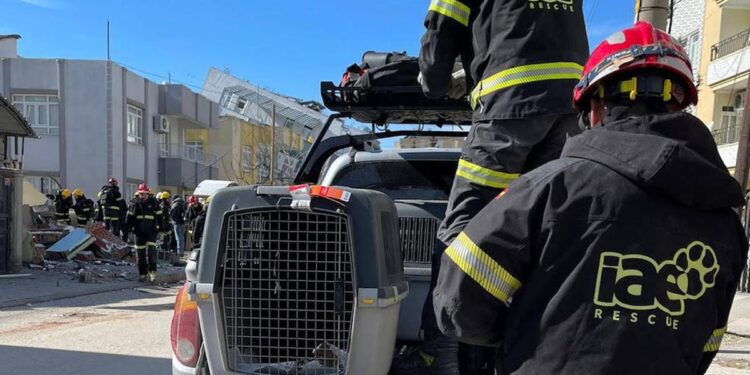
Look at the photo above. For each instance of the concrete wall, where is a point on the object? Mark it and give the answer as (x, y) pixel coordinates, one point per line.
(84, 101)
(734, 21)
(711, 35)
(34, 74)
(119, 130)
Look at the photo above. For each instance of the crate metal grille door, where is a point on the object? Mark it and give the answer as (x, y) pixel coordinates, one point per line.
(418, 236)
(287, 289)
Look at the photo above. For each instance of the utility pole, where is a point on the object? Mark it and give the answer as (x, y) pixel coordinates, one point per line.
(740, 171)
(108, 56)
(273, 143)
(656, 12)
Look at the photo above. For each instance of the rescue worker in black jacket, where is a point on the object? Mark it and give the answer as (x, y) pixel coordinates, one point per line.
(200, 223)
(165, 225)
(144, 217)
(623, 256)
(521, 59)
(99, 213)
(84, 207)
(63, 203)
(113, 206)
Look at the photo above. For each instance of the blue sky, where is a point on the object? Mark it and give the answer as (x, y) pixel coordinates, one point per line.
(288, 46)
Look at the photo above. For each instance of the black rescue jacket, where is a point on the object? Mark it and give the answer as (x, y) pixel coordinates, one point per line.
(525, 55)
(62, 206)
(622, 257)
(145, 217)
(114, 204)
(84, 208)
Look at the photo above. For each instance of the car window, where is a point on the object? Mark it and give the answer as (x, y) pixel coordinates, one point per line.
(401, 179)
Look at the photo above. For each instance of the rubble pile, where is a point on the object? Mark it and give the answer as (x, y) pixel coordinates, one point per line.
(90, 254)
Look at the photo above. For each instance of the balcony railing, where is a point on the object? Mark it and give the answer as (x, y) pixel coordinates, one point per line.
(189, 153)
(730, 45)
(727, 135)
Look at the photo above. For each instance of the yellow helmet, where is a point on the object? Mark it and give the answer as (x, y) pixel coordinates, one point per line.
(158, 195)
(166, 195)
(78, 193)
(65, 193)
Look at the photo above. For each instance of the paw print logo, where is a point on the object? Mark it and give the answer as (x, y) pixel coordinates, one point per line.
(698, 266)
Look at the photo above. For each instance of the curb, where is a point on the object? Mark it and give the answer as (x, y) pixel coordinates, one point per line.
(161, 279)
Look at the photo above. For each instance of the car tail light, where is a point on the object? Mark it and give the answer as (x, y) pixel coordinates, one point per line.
(185, 332)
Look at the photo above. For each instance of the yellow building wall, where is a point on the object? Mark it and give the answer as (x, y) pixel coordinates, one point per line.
(194, 135)
(711, 35)
(243, 133)
(734, 21)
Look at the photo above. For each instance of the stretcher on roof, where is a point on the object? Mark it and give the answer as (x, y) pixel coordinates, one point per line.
(394, 105)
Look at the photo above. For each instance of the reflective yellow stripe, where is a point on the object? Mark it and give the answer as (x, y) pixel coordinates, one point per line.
(713, 343)
(138, 247)
(482, 268)
(525, 74)
(485, 176)
(148, 217)
(159, 212)
(151, 243)
(113, 207)
(452, 9)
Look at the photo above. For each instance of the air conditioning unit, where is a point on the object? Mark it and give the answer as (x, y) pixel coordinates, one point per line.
(161, 124)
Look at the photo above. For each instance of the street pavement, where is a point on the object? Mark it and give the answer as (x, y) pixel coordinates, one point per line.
(118, 332)
(57, 326)
(734, 356)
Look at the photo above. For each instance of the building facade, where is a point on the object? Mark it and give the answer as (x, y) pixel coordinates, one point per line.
(720, 31)
(249, 113)
(96, 119)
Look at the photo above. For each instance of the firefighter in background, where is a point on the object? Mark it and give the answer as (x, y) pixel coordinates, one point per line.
(521, 60)
(113, 206)
(63, 203)
(195, 207)
(83, 207)
(144, 218)
(623, 256)
(99, 213)
(199, 223)
(193, 210)
(166, 227)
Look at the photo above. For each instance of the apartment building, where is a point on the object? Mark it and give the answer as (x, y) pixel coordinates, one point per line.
(716, 34)
(96, 119)
(248, 115)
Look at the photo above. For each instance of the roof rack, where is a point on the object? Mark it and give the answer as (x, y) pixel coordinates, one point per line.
(394, 105)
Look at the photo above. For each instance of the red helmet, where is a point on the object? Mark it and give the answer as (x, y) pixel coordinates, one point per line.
(143, 188)
(639, 48)
(192, 199)
(113, 181)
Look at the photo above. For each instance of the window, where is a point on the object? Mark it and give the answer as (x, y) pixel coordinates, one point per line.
(401, 180)
(247, 158)
(42, 112)
(241, 104)
(731, 118)
(263, 163)
(46, 185)
(194, 151)
(135, 125)
(691, 43)
(164, 145)
(130, 189)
